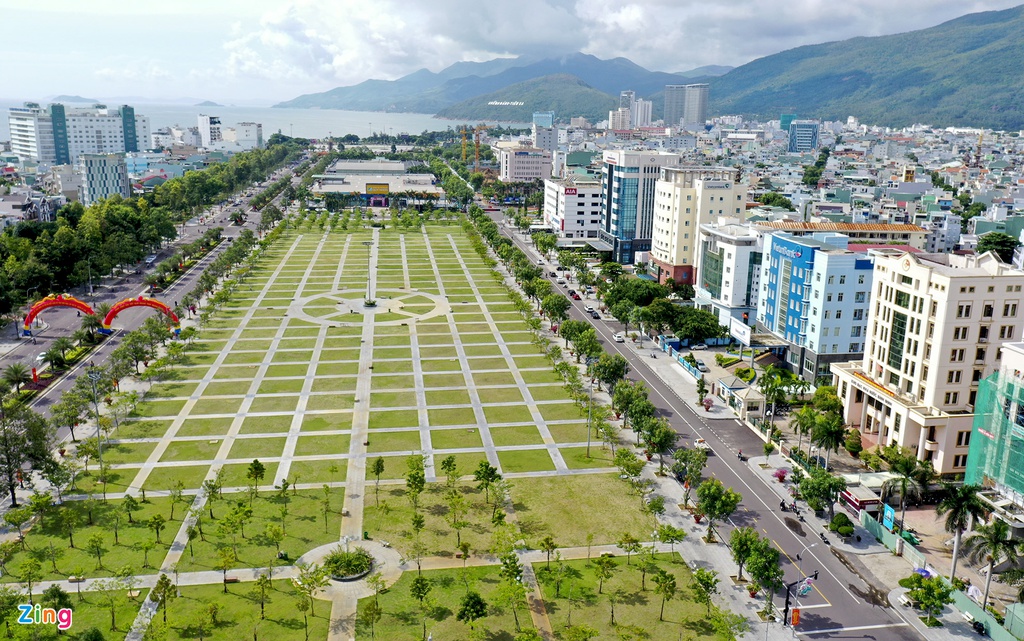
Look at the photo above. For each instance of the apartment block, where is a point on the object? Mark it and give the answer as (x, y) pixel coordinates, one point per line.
(937, 324)
(60, 135)
(685, 198)
(572, 206)
(523, 164)
(105, 175)
(728, 271)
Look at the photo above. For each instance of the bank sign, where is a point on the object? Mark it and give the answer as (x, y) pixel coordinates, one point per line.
(378, 188)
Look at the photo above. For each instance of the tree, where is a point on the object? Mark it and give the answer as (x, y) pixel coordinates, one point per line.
(17, 518)
(705, 586)
(109, 593)
(604, 569)
(992, 544)
(163, 592)
(369, 616)
(764, 567)
(688, 468)
(610, 369)
(548, 545)
(472, 608)
(702, 389)
(555, 307)
(67, 520)
(586, 344)
(932, 595)
(15, 375)
(821, 490)
(458, 508)
(31, 573)
(742, 541)
(671, 535)
(1002, 244)
(450, 467)
(716, 502)
(665, 587)
(377, 470)
(829, 433)
(803, 422)
(768, 448)
(579, 633)
(255, 474)
(261, 589)
(486, 476)
(697, 325)
(910, 479)
(94, 545)
(961, 506)
(628, 544)
(311, 579)
(177, 494)
(659, 438)
(130, 504)
(419, 589)
(225, 561)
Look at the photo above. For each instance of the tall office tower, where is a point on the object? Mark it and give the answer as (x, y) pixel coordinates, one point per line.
(803, 136)
(695, 107)
(785, 120)
(105, 175)
(59, 134)
(936, 326)
(627, 201)
(544, 118)
(627, 100)
(209, 130)
(675, 98)
(642, 113)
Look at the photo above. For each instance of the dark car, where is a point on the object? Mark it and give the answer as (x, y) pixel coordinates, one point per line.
(595, 315)
(572, 291)
(552, 274)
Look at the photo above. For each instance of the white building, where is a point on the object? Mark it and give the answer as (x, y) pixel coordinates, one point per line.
(572, 206)
(620, 119)
(523, 164)
(209, 130)
(60, 135)
(105, 175)
(684, 199)
(937, 323)
(248, 135)
(545, 138)
(728, 271)
(642, 111)
(161, 138)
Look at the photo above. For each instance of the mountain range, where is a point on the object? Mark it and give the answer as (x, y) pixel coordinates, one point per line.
(962, 72)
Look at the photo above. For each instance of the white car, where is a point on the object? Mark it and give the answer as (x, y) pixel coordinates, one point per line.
(588, 308)
(701, 444)
(560, 280)
(697, 347)
(618, 338)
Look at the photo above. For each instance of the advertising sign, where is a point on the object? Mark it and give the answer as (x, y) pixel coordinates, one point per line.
(888, 516)
(740, 331)
(378, 188)
(570, 191)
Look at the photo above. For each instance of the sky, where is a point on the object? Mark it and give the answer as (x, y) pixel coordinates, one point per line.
(258, 52)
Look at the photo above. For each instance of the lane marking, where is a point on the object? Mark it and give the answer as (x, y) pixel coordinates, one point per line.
(854, 628)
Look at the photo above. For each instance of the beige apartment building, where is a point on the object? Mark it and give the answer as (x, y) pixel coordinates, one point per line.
(523, 164)
(936, 325)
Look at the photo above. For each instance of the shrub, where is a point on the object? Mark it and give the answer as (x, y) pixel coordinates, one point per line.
(853, 443)
(745, 374)
(780, 474)
(845, 530)
(343, 564)
(840, 522)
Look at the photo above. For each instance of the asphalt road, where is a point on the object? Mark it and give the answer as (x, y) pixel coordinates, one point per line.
(62, 321)
(848, 602)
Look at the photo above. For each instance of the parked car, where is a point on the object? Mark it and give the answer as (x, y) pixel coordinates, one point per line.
(698, 346)
(619, 338)
(571, 292)
(701, 367)
(595, 315)
(540, 261)
(552, 274)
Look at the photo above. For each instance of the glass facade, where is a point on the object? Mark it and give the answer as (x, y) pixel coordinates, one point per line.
(711, 272)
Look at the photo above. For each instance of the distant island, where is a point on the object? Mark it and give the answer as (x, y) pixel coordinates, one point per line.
(67, 98)
(208, 103)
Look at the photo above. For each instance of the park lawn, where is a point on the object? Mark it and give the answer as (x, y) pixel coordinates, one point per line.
(205, 427)
(191, 450)
(496, 414)
(540, 376)
(244, 358)
(394, 441)
(339, 355)
(127, 452)
(335, 384)
(457, 438)
(447, 397)
(261, 447)
(482, 351)
(402, 619)
(281, 386)
(265, 424)
(164, 478)
(323, 445)
(494, 378)
(516, 435)
(292, 356)
(330, 402)
(127, 552)
(438, 352)
(571, 507)
(391, 341)
(327, 421)
(244, 373)
(303, 527)
(90, 611)
(576, 457)
(526, 461)
(228, 388)
(571, 433)
(559, 411)
(118, 480)
(285, 371)
(171, 390)
(239, 614)
(391, 519)
(452, 416)
(274, 404)
(236, 474)
(217, 406)
(548, 393)
(637, 610)
(441, 365)
(385, 419)
(320, 471)
(378, 383)
(152, 409)
(142, 429)
(500, 394)
(522, 349)
(384, 367)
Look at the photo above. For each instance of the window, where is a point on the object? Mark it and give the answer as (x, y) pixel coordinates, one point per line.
(954, 376)
(839, 297)
(951, 398)
(987, 311)
(855, 331)
(860, 279)
(963, 311)
(854, 347)
(956, 356)
(963, 439)
(894, 378)
(1010, 309)
(859, 297)
(839, 313)
(858, 314)
(902, 299)
(1006, 331)
(831, 280)
(960, 460)
(959, 333)
(842, 280)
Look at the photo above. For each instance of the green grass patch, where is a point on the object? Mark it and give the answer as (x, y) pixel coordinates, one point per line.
(250, 448)
(447, 397)
(500, 394)
(547, 393)
(559, 411)
(394, 441)
(452, 416)
(457, 438)
(335, 384)
(273, 404)
(330, 402)
(235, 476)
(319, 471)
(392, 382)
(286, 386)
(327, 421)
(576, 457)
(191, 450)
(265, 424)
(127, 452)
(159, 408)
(570, 432)
(142, 429)
(283, 371)
(516, 435)
(217, 406)
(441, 365)
(526, 461)
(392, 399)
(508, 414)
(323, 445)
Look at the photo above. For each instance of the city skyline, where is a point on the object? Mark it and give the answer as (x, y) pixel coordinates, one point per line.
(262, 52)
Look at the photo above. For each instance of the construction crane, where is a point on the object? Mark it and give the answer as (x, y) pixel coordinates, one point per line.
(476, 141)
(463, 130)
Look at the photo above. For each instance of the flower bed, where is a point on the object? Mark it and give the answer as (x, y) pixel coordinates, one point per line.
(348, 566)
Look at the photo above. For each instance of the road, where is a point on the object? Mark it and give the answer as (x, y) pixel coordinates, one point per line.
(62, 321)
(847, 603)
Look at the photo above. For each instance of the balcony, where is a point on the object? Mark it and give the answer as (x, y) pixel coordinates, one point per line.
(931, 446)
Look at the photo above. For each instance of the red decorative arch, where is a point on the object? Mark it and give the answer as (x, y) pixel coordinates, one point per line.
(141, 301)
(56, 300)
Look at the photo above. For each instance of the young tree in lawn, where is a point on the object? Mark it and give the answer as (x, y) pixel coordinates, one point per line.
(261, 590)
(458, 509)
(742, 541)
(628, 544)
(67, 521)
(225, 561)
(705, 586)
(369, 616)
(665, 587)
(162, 593)
(717, 502)
(17, 518)
(450, 467)
(471, 609)
(146, 546)
(53, 554)
(255, 474)
(961, 506)
(31, 573)
(157, 523)
(130, 504)
(377, 469)
(109, 592)
(604, 569)
(310, 580)
(486, 476)
(420, 589)
(671, 535)
(177, 495)
(647, 562)
(94, 546)
(548, 545)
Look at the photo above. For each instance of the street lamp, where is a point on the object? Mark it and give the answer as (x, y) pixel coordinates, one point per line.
(368, 244)
(799, 559)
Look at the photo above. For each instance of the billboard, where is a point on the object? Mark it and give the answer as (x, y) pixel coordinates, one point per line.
(888, 516)
(378, 188)
(570, 191)
(740, 331)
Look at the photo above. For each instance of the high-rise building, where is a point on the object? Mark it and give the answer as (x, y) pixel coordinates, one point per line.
(105, 175)
(695, 107)
(814, 291)
(572, 206)
(803, 136)
(675, 99)
(619, 119)
(642, 112)
(209, 130)
(627, 100)
(684, 199)
(544, 118)
(937, 324)
(785, 120)
(59, 135)
(523, 164)
(627, 201)
(545, 138)
(728, 271)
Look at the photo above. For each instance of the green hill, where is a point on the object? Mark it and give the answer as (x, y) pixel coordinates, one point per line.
(561, 93)
(963, 72)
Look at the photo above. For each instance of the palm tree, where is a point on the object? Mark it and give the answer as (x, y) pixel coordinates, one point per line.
(911, 478)
(803, 423)
(91, 323)
(961, 506)
(771, 386)
(829, 434)
(54, 358)
(16, 375)
(81, 336)
(991, 543)
(63, 344)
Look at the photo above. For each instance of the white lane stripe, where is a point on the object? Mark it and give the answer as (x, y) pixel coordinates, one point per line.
(854, 628)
